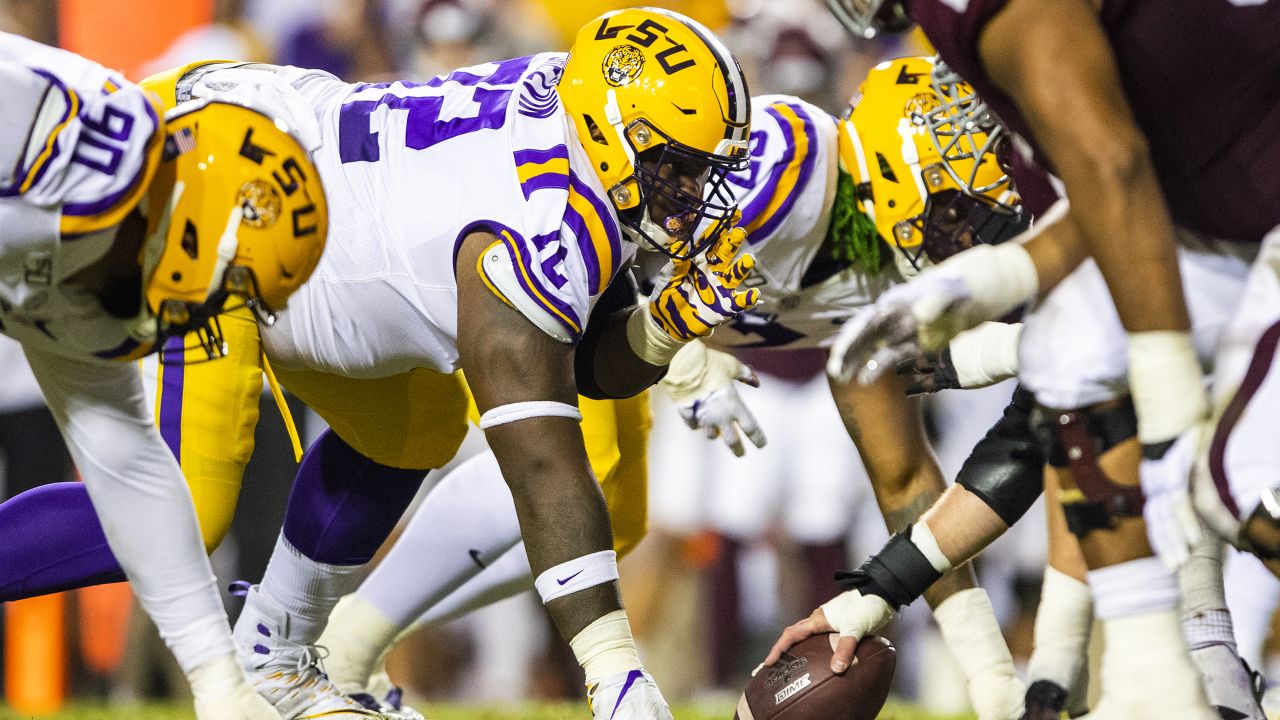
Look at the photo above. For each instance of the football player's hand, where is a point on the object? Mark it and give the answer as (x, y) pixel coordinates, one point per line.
(929, 372)
(701, 383)
(693, 297)
(1172, 524)
(982, 283)
(850, 613)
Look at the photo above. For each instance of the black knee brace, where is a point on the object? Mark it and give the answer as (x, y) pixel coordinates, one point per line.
(1074, 440)
(1006, 468)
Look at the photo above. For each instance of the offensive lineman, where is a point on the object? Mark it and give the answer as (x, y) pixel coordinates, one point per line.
(817, 198)
(124, 227)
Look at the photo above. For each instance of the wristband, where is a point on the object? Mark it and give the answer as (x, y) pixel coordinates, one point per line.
(986, 354)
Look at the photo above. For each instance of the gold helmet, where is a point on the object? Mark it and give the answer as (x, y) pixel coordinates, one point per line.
(237, 210)
(904, 184)
(663, 112)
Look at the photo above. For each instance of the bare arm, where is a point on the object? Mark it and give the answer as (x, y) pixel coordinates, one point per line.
(1053, 58)
(562, 512)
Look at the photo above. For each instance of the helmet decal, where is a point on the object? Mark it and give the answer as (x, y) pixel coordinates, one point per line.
(623, 65)
(261, 204)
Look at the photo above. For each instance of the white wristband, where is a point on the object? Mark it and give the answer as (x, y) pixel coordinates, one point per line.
(512, 412)
(647, 340)
(986, 354)
(1167, 384)
(578, 574)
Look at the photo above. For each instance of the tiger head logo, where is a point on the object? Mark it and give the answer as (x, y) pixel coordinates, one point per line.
(919, 106)
(623, 65)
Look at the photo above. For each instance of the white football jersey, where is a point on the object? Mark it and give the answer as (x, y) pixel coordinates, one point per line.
(410, 169)
(786, 196)
(78, 146)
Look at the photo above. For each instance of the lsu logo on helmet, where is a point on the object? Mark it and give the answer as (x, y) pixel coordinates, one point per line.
(663, 112)
(237, 214)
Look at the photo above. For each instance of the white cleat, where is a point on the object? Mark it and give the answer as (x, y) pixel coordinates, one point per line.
(631, 695)
(288, 674)
(391, 705)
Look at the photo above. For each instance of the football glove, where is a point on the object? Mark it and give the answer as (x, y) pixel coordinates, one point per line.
(691, 298)
(982, 283)
(701, 384)
(1172, 524)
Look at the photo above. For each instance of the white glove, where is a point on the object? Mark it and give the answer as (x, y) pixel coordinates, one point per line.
(1172, 524)
(222, 693)
(700, 382)
(982, 283)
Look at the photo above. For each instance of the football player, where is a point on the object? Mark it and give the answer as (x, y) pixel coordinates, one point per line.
(478, 217)
(1149, 253)
(836, 211)
(126, 227)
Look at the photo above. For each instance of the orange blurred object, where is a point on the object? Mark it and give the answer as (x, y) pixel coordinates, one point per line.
(126, 34)
(104, 625)
(34, 656)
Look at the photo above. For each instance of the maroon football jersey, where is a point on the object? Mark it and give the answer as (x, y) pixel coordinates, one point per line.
(1203, 80)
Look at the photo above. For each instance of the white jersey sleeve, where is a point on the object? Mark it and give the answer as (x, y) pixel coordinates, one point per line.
(569, 244)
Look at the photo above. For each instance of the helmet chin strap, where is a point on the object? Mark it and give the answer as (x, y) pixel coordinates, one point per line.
(905, 267)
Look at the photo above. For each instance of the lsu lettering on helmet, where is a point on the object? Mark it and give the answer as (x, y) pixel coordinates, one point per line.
(662, 110)
(904, 184)
(237, 214)
(868, 18)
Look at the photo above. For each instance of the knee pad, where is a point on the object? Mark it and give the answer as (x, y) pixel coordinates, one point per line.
(1073, 440)
(1006, 468)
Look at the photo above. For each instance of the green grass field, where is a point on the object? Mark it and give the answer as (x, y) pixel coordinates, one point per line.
(570, 711)
(559, 711)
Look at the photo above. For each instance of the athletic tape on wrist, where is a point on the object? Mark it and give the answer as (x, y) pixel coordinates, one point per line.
(578, 574)
(923, 538)
(899, 573)
(513, 412)
(1167, 384)
(986, 354)
(647, 340)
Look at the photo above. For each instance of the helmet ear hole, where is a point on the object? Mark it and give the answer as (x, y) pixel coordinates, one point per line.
(594, 130)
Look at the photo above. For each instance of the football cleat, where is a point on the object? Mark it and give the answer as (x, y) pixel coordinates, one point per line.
(287, 673)
(631, 695)
(1228, 682)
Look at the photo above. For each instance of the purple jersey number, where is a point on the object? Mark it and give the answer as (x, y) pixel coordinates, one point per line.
(359, 142)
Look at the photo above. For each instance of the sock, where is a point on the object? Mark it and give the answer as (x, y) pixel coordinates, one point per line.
(969, 628)
(1146, 671)
(306, 589)
(605, 647)
(52, 541)
(1063, 622)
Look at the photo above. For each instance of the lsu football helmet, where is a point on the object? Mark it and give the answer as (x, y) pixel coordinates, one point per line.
(236, 212)
(662, 110)
(905, 186)
(866, 19)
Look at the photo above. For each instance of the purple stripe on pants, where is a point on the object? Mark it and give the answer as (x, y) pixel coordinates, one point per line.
(170, 391)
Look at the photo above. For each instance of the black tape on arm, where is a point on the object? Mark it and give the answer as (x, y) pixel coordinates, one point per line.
(899, 573)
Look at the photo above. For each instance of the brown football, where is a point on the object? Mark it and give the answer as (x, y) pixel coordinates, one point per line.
(801, 685)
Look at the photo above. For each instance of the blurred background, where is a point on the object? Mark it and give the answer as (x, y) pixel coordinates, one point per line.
(737, 549)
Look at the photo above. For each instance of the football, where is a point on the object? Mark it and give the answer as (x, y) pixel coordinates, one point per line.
(801, 685)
